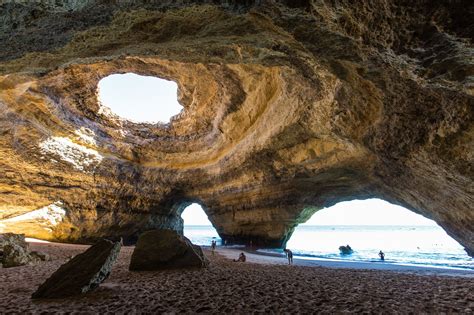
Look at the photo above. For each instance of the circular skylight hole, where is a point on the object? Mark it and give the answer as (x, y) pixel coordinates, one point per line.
(140, 98)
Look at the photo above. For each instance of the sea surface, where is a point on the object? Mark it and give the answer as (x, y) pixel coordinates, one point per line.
(406, 245)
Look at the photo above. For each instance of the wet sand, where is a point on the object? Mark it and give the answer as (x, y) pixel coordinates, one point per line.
(251, 287)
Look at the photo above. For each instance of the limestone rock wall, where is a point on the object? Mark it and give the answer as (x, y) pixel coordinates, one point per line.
(289, 107)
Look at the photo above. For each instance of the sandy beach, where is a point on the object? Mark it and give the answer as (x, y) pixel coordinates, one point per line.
(262, 284)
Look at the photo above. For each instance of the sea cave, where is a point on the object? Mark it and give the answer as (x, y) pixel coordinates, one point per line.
(281, 108)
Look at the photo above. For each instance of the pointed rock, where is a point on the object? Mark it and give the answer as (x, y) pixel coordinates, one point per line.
(165, 249)
(81, 274)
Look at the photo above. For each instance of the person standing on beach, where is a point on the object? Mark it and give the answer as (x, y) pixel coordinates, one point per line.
(213, 246)
(382, 255)
(289, 255)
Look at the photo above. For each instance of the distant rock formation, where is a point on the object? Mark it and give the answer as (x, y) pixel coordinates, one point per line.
(82, 273)
(14, 251)
(345, 250)
(165, 249)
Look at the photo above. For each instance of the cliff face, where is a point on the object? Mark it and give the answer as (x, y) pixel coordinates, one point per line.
(288, 107)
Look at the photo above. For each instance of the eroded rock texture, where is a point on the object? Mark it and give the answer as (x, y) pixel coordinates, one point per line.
(14, 251)
(289, 106)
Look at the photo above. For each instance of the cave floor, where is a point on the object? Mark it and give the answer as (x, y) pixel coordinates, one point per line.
(228, 287)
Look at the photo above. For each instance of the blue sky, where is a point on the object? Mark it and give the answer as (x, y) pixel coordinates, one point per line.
(140, 98)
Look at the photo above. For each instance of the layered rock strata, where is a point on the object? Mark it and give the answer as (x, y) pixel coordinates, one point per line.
(289, 107)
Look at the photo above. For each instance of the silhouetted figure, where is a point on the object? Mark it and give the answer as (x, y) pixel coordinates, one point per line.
(242, 258)
(289, 255)
(213, 246)
(381, 255)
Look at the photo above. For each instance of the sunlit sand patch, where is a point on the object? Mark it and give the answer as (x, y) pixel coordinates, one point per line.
(79, 156)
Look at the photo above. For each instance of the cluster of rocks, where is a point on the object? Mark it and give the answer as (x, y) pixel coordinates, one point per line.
(155, 250)
(14, 251)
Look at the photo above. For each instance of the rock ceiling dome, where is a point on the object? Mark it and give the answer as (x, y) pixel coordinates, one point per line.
(288, 107)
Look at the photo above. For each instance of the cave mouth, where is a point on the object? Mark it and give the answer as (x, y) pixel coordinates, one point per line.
(197, 226)
(371, 225)
(138, 98)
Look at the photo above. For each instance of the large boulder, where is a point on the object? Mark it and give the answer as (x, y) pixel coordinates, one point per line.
(81, 274)
(165, 249)
(14, 251)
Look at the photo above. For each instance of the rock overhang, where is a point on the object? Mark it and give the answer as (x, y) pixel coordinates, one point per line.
(220, 103)
(285, 109)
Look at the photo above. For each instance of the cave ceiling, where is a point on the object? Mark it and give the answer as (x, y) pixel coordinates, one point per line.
(289, 107)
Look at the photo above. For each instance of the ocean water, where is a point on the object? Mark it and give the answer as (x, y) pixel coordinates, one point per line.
(202, 234)
(407, 245)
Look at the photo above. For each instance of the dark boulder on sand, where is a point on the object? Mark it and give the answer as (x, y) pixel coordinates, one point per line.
(82, 273)
(165, 249)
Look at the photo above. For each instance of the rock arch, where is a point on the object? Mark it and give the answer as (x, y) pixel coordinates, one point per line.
(285, 108)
